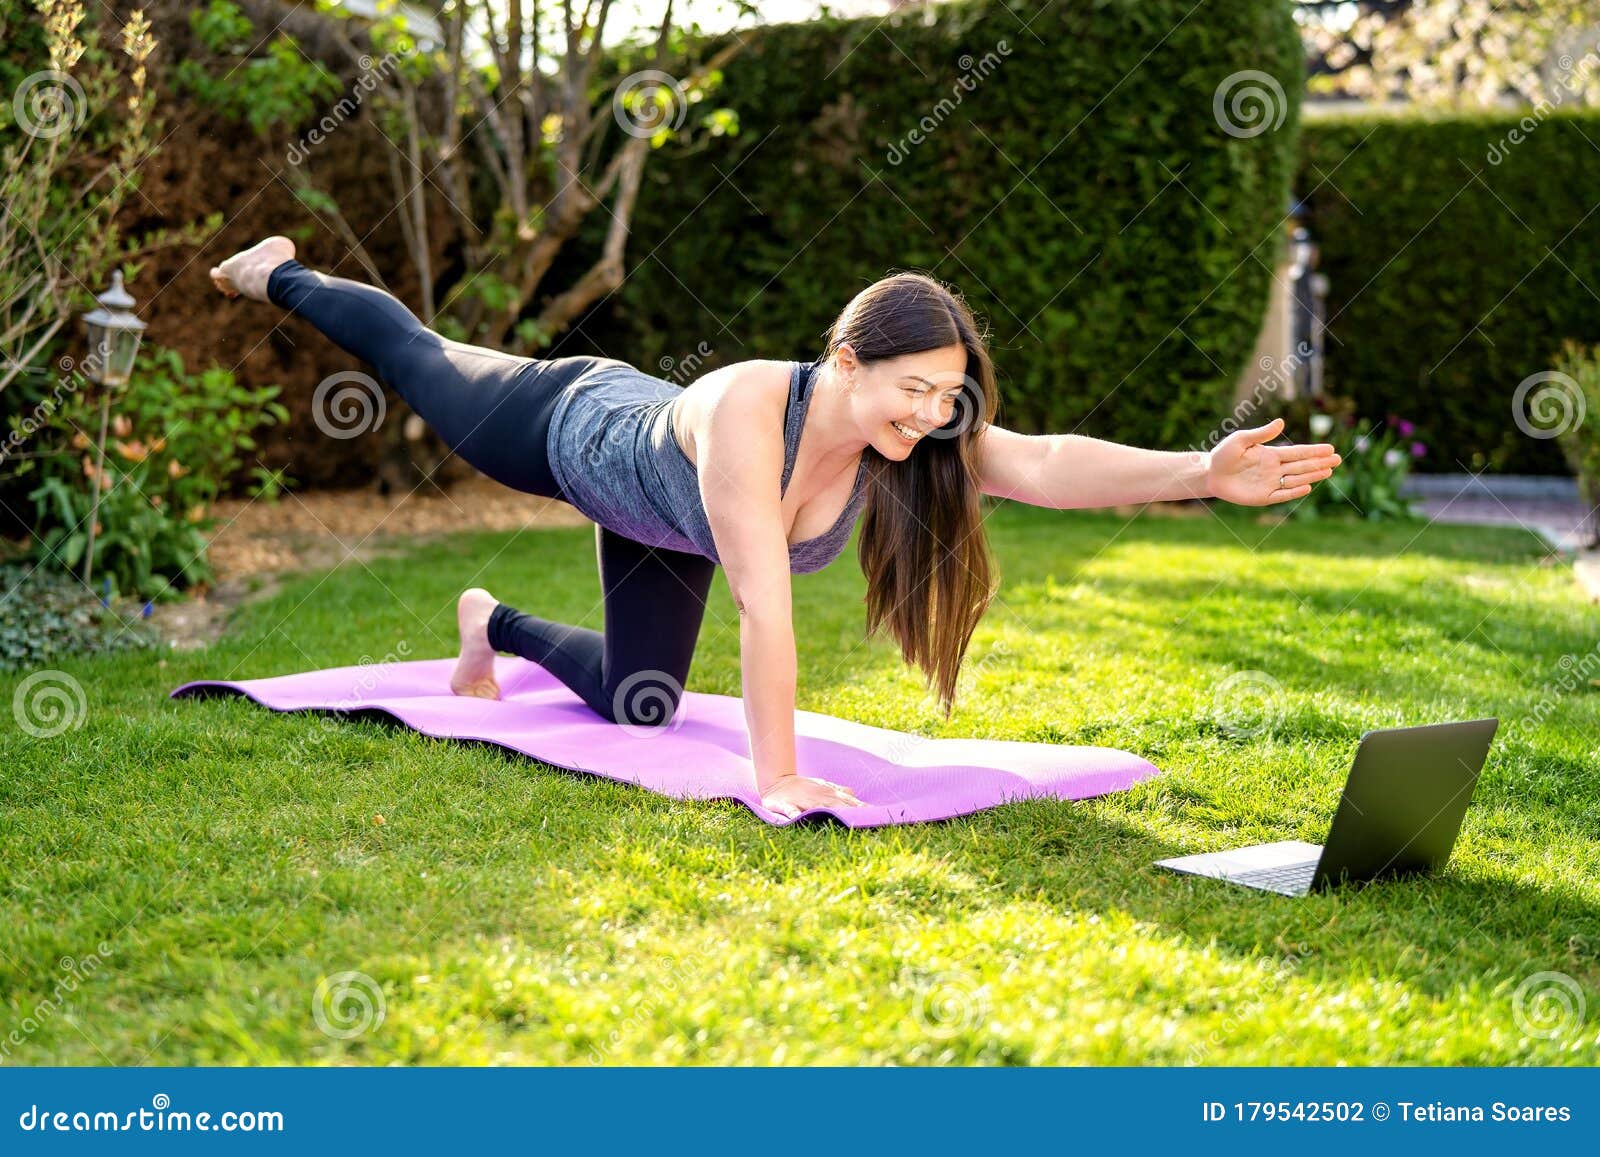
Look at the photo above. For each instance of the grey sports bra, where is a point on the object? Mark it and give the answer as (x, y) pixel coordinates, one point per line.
(613, 451)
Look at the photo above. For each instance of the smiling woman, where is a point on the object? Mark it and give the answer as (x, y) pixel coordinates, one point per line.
(761, 467)
(921, 387)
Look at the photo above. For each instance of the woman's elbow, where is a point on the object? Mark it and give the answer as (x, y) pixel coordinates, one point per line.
(764, 612)
(760, 599)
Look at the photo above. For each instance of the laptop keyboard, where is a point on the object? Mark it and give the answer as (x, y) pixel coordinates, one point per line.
(1291, 878)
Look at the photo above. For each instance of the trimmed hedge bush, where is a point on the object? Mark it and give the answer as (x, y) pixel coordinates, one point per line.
(1075, 185)
(1460, 258)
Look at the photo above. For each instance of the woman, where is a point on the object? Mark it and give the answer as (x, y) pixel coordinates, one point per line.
(761, 467)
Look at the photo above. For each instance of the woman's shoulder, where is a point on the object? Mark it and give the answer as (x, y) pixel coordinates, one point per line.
(749, 394)
(757, 374)
(748, 387)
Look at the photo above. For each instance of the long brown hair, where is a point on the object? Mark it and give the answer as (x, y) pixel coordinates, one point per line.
(929, 572)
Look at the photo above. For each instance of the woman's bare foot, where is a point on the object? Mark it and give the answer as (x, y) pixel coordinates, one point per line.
(474, 673)
(246, 272)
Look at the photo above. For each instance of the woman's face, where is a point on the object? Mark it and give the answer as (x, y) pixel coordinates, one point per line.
(898, 402)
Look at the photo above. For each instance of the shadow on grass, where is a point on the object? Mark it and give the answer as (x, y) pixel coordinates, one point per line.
(1448, 638)
(1426, 932)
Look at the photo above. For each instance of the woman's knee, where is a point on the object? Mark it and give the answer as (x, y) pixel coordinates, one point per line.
(648, 699)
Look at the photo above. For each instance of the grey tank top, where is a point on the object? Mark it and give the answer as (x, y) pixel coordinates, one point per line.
(613, 452)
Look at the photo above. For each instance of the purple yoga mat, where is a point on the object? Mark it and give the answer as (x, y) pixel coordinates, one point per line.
(701, 754)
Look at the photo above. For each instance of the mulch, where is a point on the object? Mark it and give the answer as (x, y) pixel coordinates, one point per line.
(254, 543)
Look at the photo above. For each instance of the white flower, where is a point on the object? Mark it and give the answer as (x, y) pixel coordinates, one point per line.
(1362, 443)
(1321, 424)
(1393, 458)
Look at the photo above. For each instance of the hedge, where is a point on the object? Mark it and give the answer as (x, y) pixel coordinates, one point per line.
(1076, 187)
(1461, 251)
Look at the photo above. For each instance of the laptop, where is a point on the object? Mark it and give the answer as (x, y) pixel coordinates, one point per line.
(1399, 816)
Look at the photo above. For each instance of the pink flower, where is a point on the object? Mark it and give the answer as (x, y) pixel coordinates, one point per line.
(1406, 428)
(1418, 449)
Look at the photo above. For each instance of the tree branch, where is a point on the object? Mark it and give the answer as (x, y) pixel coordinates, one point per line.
(26, 359)
(606, 274)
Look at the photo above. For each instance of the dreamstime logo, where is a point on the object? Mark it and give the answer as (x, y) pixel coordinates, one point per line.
(371, 73)
(323, 726)
(621, 434)
(646, 704)
(950, 1003)
(1249, 103)
(673, 975)
(373, 672)
(968, 409)
(972, 72)
(75, 973)
(649, 102)
(907, 742)
(49, 104)
(676, 370)
(1587, 668)
(43, 410)
(348, 1004)
(48, 703)
(1246, 703)
(1548, 1005)
(348, 404)
(1275, 974)
(1544, 106)
(1556, 406)
(1276, 374)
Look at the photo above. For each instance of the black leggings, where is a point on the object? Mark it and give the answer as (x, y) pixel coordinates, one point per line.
(494, 410)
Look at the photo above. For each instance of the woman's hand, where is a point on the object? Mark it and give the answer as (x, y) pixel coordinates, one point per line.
(1246, 471)
(789, 795)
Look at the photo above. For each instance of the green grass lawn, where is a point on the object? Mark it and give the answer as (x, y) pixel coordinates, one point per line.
(178, 877)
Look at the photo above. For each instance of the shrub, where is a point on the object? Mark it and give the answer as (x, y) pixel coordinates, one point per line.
(1376, 459)
(46, 615)
(1461, 251)
(1576, 436)
(174, 441)
(76, 130)
(263, 91)
(1063, 165)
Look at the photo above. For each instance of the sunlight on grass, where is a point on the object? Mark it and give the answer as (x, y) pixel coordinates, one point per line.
(265, 889)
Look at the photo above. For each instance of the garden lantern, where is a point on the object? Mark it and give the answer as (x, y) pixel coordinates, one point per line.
(114, 336)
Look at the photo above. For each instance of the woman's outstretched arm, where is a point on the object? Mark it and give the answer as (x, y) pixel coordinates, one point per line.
(1070, 471)
(739, 454)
